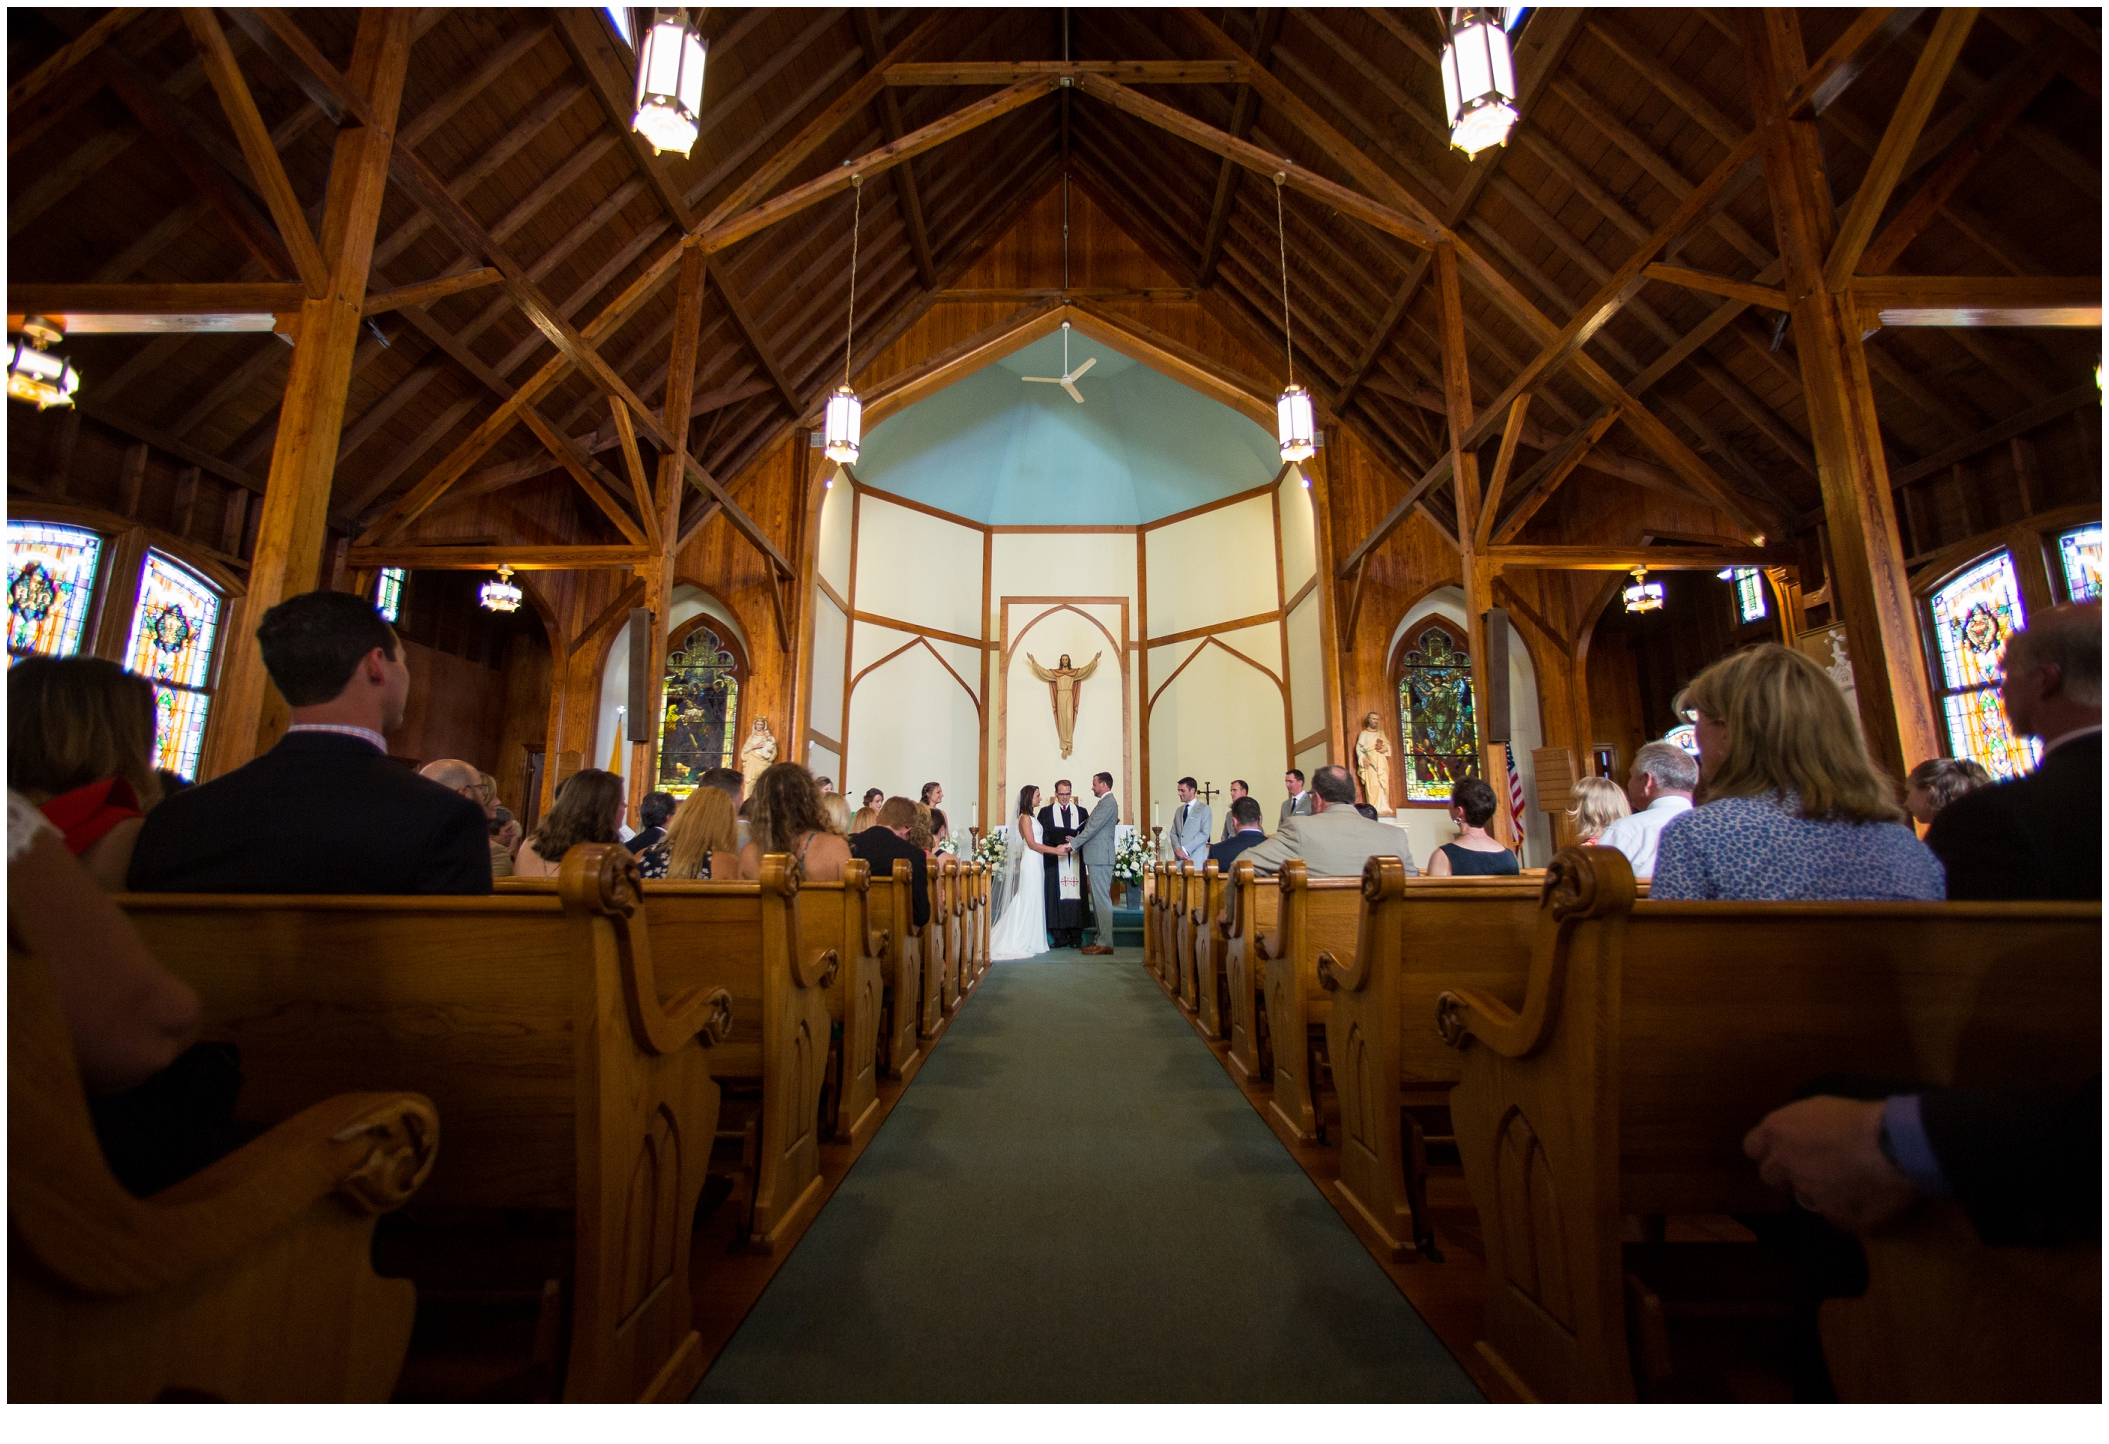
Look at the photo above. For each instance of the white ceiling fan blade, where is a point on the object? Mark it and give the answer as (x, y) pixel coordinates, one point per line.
(1050, 380)
(1083, 368)
(1074, 394)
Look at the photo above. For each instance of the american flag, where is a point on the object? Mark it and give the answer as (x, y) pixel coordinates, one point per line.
(1515, 793)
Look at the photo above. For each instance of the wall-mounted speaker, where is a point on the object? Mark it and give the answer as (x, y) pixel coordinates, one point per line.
(1496, 722)
(639, 727)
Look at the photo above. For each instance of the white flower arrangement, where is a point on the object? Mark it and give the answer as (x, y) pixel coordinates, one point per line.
(950, 847)
(1131, 858)
(993, 849)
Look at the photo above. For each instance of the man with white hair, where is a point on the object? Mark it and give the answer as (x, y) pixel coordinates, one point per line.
(1663, 778)
(2039, 837)
(465, 780)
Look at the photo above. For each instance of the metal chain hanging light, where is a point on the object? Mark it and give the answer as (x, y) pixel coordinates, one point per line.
(669, 84)
(36, 374)
(1294, 420)
(499, 594)
(843, 429)
(1643, 595)
(1479, 79)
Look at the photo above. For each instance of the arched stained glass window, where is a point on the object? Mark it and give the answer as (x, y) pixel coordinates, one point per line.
(1686, 736)
(50, 582)
(1972, 618)
(175, 631)
(1749, 584)
(2080, 552)
(388, 594)
(1435, 715)
(697, 725)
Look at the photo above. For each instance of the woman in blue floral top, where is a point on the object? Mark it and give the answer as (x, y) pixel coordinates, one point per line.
(1792, 809)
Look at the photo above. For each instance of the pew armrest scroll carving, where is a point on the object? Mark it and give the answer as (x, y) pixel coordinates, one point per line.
(1583, 886)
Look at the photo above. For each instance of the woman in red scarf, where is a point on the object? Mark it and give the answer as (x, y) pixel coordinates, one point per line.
(80, 744)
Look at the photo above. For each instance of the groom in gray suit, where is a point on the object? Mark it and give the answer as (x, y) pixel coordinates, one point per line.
(1095, 845)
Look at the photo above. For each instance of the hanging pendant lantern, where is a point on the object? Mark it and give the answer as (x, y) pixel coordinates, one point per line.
(34, 373)
(669, 84)
(1295, 419)
(499, 594)
(1643, 595)
(842, 431)
(1479, 80)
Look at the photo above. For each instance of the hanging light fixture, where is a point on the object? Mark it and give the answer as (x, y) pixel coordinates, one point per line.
(1643, 595)
(1479, 80)
(34, 374)
(499, 594)
(843, 428)
(1295, 423)
(669, 83)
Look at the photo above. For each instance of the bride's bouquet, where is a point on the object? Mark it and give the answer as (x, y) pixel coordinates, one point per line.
(993, 848)
(1131, 859)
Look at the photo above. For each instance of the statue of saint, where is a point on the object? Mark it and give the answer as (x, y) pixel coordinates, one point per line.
(1373, 765)
(1065, 684)
(759, 752)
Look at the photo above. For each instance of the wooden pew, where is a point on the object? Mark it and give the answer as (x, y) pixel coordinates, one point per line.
(970, 956)
(988, 912)
(1650, 1037)
(835, 939)
(1317, 915)
(898, 945)
(944, 876)
(937, 1001)
(574, 1074)
(1161, 899)
(1190, 926)
(1417, 938)
(1255, 904)
(251, 1281)
(1211, 993)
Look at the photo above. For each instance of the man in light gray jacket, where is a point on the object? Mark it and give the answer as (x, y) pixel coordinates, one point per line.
(1300, 799)
(1095, 846)
(1190, 825)
(1334, 840)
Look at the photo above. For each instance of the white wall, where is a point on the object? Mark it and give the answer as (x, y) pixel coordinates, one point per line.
(917, 568)
(615, 681)
(1219, 718)
(830, 645)
(837, 503)
(1299, 532)
(1526, 733)
(911, 722)
(1212, 568)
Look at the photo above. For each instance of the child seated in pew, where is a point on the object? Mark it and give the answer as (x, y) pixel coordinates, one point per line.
(1791, 808)
(1598, 803)
(701, 842)
(80, 745)
(1475, 853)
(588, 808)
(786, 816)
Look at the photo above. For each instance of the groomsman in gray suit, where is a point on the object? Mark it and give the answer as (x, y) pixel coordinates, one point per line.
(1299, 803)
(1190, 825)
(1230, 824)
(1095, 845)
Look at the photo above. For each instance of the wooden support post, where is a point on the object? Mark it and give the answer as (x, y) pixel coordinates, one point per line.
(1870, 589)
(1475, 573)
(303, 460)
(113, 628)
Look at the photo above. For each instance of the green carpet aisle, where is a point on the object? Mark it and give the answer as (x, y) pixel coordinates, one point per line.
(1072, 1202)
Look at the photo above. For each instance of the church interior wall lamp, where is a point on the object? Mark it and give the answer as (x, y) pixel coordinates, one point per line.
(1479, 77)
(1643, 595)
(35, 373)
(843, 428)
(1294, 421)
(499, 594)
(669, 84)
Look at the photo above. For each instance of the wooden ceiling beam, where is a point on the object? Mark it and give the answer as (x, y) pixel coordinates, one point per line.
(1750, 293)
(1542, 480)
(2080, 398)
(72, 53)
(1244, 110)
(485, 558)
(1962, 301)
(424, 293)
(1011, 72)
(905, 191)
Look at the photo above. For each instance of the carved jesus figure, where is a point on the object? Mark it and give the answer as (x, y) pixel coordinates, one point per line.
(1064, 685)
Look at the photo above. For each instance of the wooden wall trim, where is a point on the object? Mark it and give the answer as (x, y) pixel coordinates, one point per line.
(877, 620)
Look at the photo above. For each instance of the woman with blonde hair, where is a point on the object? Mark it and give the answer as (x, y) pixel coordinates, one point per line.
(866, 819)
(588, 808)
(1598, 802)
(785, 815)
(702, 840)
(1791, 807)
(922, 835)
(836, 806)
(80, 745)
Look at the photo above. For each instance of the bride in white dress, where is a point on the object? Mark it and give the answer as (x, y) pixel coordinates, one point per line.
(1021, 919)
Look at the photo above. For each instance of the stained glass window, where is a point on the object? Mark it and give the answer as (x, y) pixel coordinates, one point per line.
(1435, 716)
(388, 594)
(1685, 735)
(1749, 584)
(1972, 618)
(50, 582)
(174, 632)
(696, 727)
(2081, 551)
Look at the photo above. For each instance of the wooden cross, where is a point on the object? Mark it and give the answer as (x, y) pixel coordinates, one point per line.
(1207, 793)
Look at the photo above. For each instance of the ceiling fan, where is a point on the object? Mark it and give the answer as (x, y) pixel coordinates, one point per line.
(1068, 378)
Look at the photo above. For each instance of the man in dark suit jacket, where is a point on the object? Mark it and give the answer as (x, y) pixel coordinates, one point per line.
(2039, 837)
(326, 810)
(653, 811)
(1245, 817)
(881, 846)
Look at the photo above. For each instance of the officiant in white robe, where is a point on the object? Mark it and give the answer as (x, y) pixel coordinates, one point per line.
(1064, 879)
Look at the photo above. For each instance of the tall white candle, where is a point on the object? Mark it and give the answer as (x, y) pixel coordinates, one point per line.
(973, 814)
(1156, 814)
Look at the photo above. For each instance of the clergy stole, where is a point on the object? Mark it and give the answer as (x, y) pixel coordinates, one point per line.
(1066, 878)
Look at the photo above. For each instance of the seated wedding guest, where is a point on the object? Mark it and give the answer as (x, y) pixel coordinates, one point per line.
(1660, 787)
(827, 785)
(1245, 818)
(1333, 839)
(886, 841)
(786, 817)
(1475, 853)
(326, 810)
(1794, 811)
(80, 745)
(1598, 803)
(731, 782)
(874, 797)
(653, 812)
(480, 788)
(2040, 836)
(921, 833)
(940, 829)
(1938, 781)
(505, 841)
(702, 841)
(836, 806)
(866, 817)
(588, 810)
